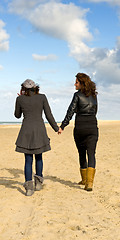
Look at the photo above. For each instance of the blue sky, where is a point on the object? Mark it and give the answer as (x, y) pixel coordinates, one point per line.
(50, 42)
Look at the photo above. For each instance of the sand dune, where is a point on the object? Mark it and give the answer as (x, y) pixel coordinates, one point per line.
(62, 209)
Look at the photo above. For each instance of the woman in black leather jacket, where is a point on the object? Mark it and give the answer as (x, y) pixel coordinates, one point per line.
(84, 104)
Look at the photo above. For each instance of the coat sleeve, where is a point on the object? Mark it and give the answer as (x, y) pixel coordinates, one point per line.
(18, 110)
(96, 108)
(71, 110)
(48, 114)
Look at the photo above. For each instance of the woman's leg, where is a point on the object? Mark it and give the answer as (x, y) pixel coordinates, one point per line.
(39, 164)
(28, 166)
(91, 147)
(80, 147)
(91, 159)
(82, 157)
(39, 168)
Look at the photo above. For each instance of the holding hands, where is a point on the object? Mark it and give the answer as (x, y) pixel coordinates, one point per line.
(60, 130)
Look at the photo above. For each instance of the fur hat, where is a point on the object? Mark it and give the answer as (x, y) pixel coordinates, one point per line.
(28, 83)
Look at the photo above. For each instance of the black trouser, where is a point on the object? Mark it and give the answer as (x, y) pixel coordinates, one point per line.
(86, 140)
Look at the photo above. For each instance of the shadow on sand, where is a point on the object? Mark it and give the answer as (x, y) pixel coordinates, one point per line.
(10, 182)
(64, 182)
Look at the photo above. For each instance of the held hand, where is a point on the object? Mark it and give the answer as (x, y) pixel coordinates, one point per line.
(60, 131)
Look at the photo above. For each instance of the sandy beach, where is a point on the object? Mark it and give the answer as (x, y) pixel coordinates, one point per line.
(62, 209)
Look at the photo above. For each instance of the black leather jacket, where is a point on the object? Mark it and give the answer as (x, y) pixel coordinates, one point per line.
(82, 106)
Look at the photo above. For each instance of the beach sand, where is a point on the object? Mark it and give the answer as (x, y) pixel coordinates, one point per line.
(62, 209)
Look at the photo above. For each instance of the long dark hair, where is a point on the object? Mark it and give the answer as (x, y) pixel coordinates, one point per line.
(28, 90)
(88, 87)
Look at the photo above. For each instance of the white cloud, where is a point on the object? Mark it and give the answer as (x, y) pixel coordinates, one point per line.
(50, 57)
(68, 22)
(7, 104)
(104, 63)
(1, 67)
(20, 6)
(8, 95)
(54, 100)
(109, 102)
(4, 36)
(63, 21)
(113, 2)
(118, 42)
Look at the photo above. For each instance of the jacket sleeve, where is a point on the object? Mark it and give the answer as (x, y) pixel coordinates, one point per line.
(18, 110)
(71, 110)
(48, 115)
(96, 109)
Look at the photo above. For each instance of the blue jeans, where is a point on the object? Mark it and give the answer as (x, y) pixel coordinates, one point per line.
(28, 165)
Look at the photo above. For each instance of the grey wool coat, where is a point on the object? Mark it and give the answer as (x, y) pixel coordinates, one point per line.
(32, 138)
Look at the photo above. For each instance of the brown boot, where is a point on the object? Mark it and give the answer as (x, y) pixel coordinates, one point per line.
(83, 173)
(90, 178)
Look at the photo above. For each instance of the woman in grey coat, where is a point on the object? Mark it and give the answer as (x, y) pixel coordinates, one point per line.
(32, 138)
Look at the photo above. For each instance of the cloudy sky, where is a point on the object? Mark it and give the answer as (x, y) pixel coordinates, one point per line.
(50, 42)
